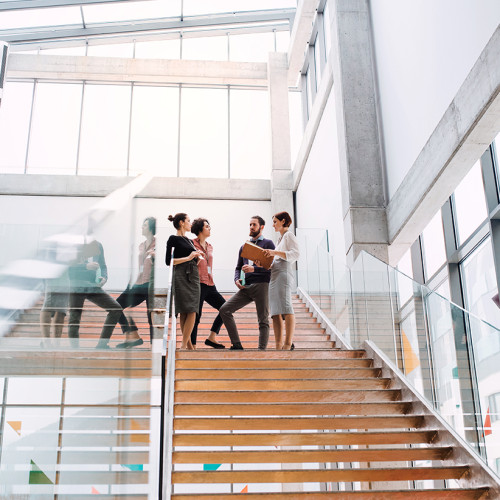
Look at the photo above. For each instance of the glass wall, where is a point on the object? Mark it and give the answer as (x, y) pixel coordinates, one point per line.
(90, 128)
(480, 285)
(433, 248)
(100, 129)
(469, 203)
(459, 258)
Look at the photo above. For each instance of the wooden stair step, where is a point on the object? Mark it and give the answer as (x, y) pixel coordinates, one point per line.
(271, 354)
(249, 335)
(247, 409)
(305, 439)
(277, 385)
(277, 364)
(222, 373)
(290, 423)
(427, 494)
(253, 344)
(211, 314)
(315, 475)
(253, 326)
(293, 396)
(310, 456)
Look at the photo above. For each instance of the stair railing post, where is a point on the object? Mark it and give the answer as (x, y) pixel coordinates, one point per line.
(168, 380)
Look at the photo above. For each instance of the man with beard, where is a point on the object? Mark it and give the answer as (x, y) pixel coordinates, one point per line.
(254, 288)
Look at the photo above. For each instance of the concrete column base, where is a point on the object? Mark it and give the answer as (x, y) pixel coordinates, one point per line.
(379, 250)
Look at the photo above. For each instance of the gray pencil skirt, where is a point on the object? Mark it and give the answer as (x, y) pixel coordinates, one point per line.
(187, 287)
(280, 288)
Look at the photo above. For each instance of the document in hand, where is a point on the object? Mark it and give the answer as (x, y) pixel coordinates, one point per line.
(253, 252)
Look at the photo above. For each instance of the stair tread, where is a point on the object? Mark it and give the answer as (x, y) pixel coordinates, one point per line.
(425, 494)
(315, 456)
(317, 475)
(296, 423)
(304, 439)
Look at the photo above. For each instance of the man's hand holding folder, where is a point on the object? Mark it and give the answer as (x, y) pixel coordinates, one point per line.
(253, 252)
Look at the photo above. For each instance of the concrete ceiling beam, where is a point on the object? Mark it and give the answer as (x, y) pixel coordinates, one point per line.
(123, 70)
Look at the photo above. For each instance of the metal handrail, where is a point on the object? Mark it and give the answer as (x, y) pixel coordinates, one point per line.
(168, 381)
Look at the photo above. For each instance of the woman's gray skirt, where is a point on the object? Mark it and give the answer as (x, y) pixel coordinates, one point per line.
(186, 287)
(280, 288)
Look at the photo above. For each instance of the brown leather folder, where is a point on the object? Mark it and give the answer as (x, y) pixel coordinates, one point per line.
(253, 252)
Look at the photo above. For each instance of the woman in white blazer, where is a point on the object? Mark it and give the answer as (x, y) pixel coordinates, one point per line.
(283, 281)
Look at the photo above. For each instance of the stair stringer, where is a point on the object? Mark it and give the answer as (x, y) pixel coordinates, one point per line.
(479, 475)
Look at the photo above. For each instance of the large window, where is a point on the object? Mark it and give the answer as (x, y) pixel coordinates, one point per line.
(128, 129)
(480, 284)
(253, 47)
(105, 130)
(496, 158)
(53, 149)
(159, 49)
(211, 48)
(434, 252)
(154, 131)
(319, 47)
(111, 50)
(469, 203)
(204, 133)
(296, 123)
(404, 278)
(200, 7)
(15, 116)
(250, 159)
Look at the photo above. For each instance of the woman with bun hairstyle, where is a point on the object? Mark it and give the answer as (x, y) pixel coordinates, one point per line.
(282, 280)
(186, 280)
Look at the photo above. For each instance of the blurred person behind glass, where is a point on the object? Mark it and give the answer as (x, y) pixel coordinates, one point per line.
(140, 291)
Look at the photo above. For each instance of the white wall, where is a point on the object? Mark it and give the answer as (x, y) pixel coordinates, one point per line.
(424, 51)
(318, 201)
(25, 220)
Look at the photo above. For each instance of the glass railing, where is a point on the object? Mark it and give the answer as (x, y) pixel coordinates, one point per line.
(451, 357)
(79, 416)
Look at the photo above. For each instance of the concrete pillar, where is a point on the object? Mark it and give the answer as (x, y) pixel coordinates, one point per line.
(281, 168)
(362, 180)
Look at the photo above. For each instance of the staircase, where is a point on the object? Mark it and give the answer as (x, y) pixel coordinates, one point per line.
(317, 422)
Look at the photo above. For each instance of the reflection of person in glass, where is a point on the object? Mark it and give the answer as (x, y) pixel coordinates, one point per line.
(54, 307)
(139, 292)
(208, 292)
(87, 276)
(282, 280)
(186, 279)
